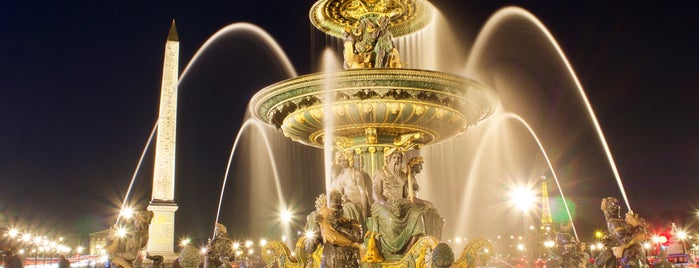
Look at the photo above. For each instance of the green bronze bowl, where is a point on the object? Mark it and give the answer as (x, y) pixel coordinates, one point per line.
(373, 106)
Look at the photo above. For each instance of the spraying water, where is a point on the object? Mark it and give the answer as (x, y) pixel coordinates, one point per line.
(330, 64)
(520, 120)
(275, 170)
(481, 51)
(138, 167)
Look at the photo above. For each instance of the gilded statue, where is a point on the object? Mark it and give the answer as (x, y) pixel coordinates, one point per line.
(342, 237)
(369, 44)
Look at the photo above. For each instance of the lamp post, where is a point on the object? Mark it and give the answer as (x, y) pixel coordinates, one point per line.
(682, 235)
(523, 198)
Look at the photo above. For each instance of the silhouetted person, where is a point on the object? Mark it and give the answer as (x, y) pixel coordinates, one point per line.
(63, 263)
(12, 260)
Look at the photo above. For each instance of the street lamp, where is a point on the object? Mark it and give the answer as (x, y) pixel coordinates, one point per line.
(682, 235)
(523, 198)
(79, 250)
(12, 233)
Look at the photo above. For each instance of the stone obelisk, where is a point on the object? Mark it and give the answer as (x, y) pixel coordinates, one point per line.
(162, 228)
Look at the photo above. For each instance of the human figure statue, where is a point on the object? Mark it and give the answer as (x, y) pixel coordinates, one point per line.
(342, 236)
(414, 167)
(219, 249)
(349, 182)
(568, 251)
(399, 221)
(369, 44)
(124, 250)
(624, 239)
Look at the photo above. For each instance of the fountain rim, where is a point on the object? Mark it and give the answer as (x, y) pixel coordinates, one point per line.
(448, 79)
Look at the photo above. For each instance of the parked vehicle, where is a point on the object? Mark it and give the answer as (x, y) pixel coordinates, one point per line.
(681, 260)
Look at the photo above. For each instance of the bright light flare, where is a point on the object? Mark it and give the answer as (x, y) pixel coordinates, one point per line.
(127, 212)
(523, 198)
(549, 243)
(121, 232)
(310, 235)
(263, 242)
(13, 233)
(185, 241)
(26, 237)
(286, 216)
(599, 234)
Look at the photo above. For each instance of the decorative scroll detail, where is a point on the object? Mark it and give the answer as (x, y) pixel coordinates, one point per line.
(477, 252)
(417, 256)
(407, 142)
(276, 252)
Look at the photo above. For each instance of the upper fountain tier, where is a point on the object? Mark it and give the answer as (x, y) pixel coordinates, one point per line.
(375, 106)
(406, 16)
(375, 102)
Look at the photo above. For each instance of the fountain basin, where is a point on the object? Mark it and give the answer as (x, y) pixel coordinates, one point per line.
(374, 106)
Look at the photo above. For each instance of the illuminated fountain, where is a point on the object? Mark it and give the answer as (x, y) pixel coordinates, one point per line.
(386, 102)
(376, 113)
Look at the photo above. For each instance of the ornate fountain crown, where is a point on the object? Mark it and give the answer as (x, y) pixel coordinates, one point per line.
(375, 101)
(406, 16)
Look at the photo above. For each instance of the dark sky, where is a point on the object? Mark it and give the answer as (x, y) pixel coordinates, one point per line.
(80, 82)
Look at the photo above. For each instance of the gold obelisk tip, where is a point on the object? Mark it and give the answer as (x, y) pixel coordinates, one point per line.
(172, 36)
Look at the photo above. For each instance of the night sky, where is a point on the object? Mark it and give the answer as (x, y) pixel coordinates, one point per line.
(80, 83)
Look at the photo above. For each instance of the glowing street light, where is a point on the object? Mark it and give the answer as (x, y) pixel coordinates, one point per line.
(520, 247)
(27, 237)
(127, 212)
(682, 235)
(12, 233)
(121, 232)
(523, 198)
(599, 234)
(549, 243)
(286, 216)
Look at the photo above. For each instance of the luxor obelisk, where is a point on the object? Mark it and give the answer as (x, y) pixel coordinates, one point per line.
(162, 228)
